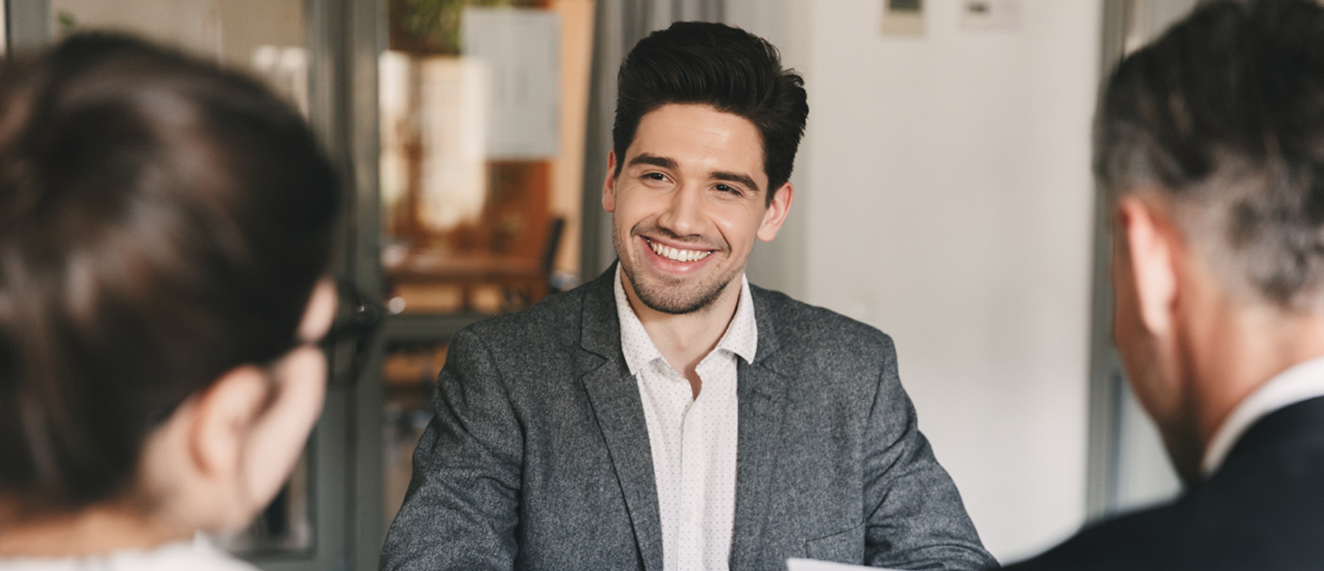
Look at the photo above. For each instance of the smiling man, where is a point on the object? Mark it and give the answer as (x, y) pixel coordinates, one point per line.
(668, 415)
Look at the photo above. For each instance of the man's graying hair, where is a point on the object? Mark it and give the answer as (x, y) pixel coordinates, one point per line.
(1224, 117)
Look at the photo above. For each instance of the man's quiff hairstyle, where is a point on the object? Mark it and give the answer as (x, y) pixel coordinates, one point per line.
(726, 68)
(1223, 117)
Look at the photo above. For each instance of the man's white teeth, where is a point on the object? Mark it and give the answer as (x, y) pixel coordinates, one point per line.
(677, 255)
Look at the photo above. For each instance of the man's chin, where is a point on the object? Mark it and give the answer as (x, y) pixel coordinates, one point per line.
(676, 307)
(664, 297)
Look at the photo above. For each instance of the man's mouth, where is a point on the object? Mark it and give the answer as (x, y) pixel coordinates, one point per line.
(677, 254)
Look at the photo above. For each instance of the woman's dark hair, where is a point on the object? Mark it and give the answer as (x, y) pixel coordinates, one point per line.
(162, 221)
(1224, 115)
(727, 68)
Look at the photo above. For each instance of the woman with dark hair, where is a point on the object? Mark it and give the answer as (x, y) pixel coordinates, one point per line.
(165, 229)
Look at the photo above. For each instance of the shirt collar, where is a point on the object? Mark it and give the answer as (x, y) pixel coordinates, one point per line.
(1301, 382)
(740, 338)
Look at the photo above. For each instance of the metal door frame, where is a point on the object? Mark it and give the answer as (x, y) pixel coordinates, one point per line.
(1105, 382)
(1114, 460)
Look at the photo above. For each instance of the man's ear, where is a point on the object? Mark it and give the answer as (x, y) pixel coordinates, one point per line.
(776, 213)
(1151, 246)
(609, 185)
(224, 416)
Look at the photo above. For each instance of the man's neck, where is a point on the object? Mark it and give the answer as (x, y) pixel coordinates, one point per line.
(1247, 355)
(685, 339)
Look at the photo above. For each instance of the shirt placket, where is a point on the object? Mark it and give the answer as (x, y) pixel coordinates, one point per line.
(670, 410)
(716, 371)
(694, 475)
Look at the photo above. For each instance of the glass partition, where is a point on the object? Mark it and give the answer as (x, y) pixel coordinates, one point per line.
(482, 107)
(482, 116)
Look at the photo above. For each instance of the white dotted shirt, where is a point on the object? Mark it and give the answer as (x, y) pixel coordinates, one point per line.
(693, 441)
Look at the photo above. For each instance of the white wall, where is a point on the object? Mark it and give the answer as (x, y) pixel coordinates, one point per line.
(946, 198)
(778, 264)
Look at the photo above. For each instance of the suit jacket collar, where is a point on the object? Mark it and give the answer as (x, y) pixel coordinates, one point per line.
(764, 313)
(601, 333)
(761, 393)
(1275, 435)
(619, 409)
(1298, 383)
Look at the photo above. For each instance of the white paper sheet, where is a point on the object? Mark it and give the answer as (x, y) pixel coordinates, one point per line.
(794, 564)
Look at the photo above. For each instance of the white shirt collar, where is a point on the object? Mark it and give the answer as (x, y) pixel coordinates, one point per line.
(639, 353)
(1300, 382)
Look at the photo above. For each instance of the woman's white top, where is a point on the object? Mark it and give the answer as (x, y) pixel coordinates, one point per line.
(184, 555)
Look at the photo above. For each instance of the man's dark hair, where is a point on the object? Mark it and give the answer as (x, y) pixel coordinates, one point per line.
(726, 68)
(1224, 116)
(162, 221)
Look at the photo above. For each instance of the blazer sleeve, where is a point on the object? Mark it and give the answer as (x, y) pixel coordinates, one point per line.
(461, 508)
(917, 520)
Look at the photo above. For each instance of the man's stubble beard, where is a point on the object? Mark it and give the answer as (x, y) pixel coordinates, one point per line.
(656, 297)
(670, 299)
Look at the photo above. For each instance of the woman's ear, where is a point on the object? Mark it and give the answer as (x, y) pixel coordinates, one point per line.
(193, 464)
(277, 435)
(225, 452)
(224, 414)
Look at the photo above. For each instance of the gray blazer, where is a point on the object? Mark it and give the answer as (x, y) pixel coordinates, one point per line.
(538, 457)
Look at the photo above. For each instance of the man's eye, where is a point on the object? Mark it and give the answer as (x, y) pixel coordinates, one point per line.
(727, 189)
(655, 176)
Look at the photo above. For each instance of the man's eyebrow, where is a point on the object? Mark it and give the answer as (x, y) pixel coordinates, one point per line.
(647, 159)
(735, 177)
(669, 163)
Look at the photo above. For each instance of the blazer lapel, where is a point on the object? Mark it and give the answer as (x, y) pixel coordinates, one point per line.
(615, 398)
(761, 394)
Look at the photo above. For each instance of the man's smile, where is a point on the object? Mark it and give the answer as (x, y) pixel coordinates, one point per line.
(674, 254)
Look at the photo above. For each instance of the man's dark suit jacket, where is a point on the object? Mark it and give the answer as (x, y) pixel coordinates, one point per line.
(538, 457)
(1262, 510)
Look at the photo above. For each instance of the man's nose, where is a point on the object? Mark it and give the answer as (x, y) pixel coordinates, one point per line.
(682, 213)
